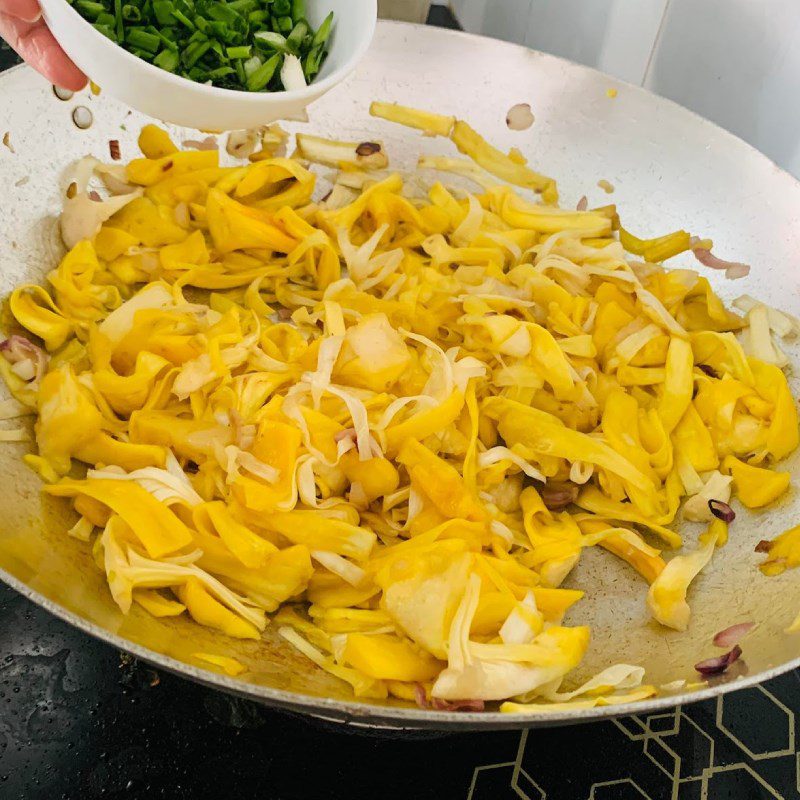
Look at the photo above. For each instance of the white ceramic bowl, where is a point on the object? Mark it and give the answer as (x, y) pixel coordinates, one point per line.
(170, 98)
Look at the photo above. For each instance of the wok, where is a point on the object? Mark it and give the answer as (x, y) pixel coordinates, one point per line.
(670, 169)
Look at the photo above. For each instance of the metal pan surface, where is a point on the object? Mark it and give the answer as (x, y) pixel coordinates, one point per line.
(670, 169)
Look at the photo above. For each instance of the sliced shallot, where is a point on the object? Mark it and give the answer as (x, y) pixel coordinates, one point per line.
(420, 697)
(733, 635)
(347, 433)
(29, 358)
(209, 143)
(718, 665)
(721, 510)
(733, 269)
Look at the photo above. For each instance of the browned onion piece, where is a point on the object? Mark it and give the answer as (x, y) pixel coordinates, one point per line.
(113, 149)
(764, 546)
(718, 665)
(557, 496)
(368, 149)
(721, 510)
(708, 370)
(583, 204)
(733, 635)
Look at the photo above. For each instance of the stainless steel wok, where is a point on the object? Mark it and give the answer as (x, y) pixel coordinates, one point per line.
(670, 168)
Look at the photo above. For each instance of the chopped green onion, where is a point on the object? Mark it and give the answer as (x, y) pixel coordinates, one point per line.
(250, 66)
(298, 10)
(263, 75)
(131, 14)
(167, 37)
(272, 39)
(240, 73)
(285, 24)
(168, 60)
(242, 6)
(89, 8)
(220, 72)
(194, 52)
(163, 11)
(281, 7)
(182, 18)
(138, 37)
(324, 31)
(295, 39)
(107, 31)
(119, 29)
(243, 51)
(313, 62)
(220, 13)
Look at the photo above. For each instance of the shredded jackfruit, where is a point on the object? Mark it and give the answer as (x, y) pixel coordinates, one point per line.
(397, 417)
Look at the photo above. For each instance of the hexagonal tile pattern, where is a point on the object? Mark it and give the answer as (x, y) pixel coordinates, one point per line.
(773, 737)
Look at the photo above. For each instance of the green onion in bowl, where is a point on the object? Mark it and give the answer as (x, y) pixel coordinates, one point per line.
(249, 45)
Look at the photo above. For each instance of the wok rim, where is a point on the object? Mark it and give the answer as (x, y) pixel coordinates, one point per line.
(367, 715)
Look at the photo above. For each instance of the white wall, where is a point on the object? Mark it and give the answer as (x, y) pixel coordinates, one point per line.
(736, 62)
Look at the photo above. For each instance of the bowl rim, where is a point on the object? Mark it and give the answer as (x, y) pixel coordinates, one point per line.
(311, 92)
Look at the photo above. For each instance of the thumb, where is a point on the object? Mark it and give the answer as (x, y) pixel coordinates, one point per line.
(36, 45)
(26, 10)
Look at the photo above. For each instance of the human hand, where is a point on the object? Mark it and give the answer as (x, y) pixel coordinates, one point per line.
(22, 26)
